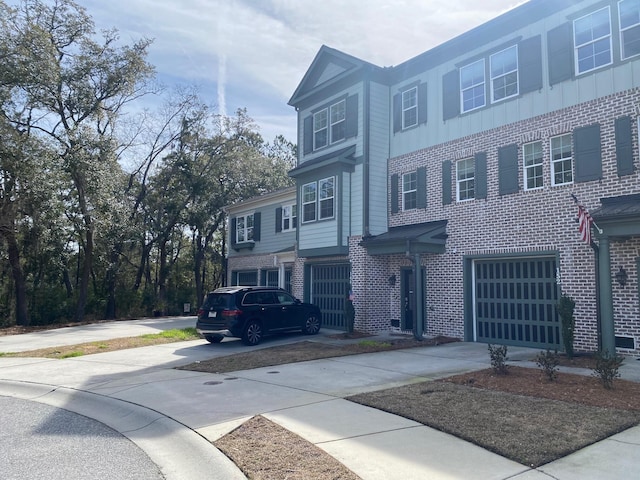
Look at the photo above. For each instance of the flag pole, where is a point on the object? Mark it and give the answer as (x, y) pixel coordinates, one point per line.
(575, 199)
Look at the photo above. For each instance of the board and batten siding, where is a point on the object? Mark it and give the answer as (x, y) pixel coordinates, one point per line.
(378, 158)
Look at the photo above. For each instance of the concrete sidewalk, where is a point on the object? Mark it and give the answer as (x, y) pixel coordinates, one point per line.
(139, 393)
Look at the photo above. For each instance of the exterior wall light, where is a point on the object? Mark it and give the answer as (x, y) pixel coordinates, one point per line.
(622, 277)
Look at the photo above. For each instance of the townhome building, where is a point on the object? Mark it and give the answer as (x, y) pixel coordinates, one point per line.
(442, 195)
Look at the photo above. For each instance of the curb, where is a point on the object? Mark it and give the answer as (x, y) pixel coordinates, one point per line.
(178, 451)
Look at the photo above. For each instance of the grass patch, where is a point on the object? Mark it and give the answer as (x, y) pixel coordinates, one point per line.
(69, 351)
(374, 343)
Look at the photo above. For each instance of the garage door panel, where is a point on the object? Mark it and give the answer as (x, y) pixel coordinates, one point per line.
(515, 302)
(329, 287)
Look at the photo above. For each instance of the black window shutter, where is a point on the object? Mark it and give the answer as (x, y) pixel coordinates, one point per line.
(397, 112)
(421, 190)
(422, 103)
(587, 153)
(394, 193)
(308, 134)
(450, 95)
(278, 219)
(560, 53)
(508, 169)
(256, 227)
(232, 235)
(480, 162)
(624, 146)
(351, 127)
(530, 64)
(446, 182)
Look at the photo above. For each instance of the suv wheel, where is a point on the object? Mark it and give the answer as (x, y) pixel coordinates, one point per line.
(252, 333)
(311, 324)
(213, 338)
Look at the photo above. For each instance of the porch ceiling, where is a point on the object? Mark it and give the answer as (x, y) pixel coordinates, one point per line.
(429, 237)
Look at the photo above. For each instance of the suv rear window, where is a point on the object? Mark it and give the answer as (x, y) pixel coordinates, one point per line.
(218, 300)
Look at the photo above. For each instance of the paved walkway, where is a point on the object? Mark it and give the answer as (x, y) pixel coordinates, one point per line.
(173, 415)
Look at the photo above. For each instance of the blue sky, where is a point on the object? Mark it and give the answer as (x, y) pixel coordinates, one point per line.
(253, 53)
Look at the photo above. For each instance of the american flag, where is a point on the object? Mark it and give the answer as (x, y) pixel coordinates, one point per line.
(584, 224)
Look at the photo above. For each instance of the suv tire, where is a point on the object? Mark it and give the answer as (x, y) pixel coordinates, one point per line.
(252, 333)
(311, 325)
(213, 338)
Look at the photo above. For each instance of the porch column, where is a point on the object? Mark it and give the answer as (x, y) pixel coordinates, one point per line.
(607, 333)
(418, 323)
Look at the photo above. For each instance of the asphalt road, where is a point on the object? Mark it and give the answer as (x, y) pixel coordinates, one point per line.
(43, 442)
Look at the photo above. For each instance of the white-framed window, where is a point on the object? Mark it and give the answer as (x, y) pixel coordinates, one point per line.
(289, 217)
(532, 165)
(244, 228)
(338, 121)
(409, 190)
(320, 129)
(309, 196)
(629, 14)
(330, 125)
(327, 194)
(465, 179)
(410, 107)
(561, 160)
(472, 86)
(504, 74)
(318, 200)
(592, 40)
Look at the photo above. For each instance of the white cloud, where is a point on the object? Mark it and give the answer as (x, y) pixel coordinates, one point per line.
(253, 53)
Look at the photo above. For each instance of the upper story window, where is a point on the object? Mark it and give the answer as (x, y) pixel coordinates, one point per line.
(338, 121)
(326, 197)
(532, 165)
(465, 179)
(561, 160)
(410, 107)
(409, 190)
(472, 86)
(318, 200)
(504, 74)
(329, 125)
(309, 197)
(592, 40)
(244, 228)
(320, 129)
(629, 12)
(289, 217)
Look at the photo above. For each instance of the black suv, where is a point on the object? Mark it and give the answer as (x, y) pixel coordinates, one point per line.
(252, 312)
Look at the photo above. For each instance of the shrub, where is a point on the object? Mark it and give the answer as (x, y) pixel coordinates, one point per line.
(548, 362)
(607, 368)
(566, 306)
(498, 356)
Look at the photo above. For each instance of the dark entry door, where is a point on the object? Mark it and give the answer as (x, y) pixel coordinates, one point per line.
(408, 298)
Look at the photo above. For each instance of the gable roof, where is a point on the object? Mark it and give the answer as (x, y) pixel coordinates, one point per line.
(329, 67)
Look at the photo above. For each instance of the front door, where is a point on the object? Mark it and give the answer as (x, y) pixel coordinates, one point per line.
(409, 302)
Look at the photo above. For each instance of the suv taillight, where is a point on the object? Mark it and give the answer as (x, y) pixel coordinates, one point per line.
(231, 313)
(200, 312)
